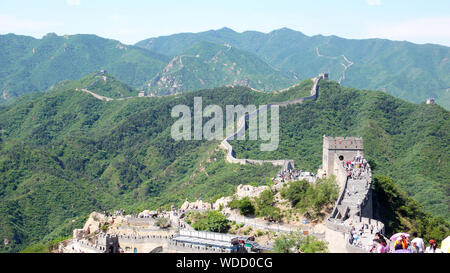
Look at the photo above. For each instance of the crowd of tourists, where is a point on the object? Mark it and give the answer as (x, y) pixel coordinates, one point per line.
(398, 243)
(292, 175)
(402, 243)
(356, 168)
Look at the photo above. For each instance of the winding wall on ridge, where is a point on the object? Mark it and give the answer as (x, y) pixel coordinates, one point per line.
(285, 163)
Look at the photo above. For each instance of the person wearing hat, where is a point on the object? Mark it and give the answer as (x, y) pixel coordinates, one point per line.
(401, 243)
(433, 248)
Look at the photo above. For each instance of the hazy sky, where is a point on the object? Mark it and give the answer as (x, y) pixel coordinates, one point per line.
(419, 21)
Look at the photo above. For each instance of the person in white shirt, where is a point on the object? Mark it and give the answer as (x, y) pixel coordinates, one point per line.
(419, 242)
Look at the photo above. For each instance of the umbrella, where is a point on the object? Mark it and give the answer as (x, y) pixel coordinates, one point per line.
(397, 235)
(445, 246)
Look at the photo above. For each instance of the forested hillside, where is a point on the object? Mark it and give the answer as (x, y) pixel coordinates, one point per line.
(208, 65)
(406, 141)
(193, 61)
(31, 65)
(64, 153)
(405, 70)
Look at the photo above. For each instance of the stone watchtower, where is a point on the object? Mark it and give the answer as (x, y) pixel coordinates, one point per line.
(339, 148)
(108, 243)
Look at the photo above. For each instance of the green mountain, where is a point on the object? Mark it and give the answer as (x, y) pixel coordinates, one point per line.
(208, 65)
(405, 70)
(64, 153)
(408, 142)
(30, 65)
(100, 83)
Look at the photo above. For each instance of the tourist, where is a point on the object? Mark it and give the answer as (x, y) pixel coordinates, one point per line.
(401, 243)
(433, 248)
(355, 239)
(419, 242)
(384, 247)
(351, 239)
(414, 248)
(375, 245)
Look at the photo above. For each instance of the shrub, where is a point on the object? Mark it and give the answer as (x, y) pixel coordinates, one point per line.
(163, 222)
(211, 220)
(246, 206)
(296, 242)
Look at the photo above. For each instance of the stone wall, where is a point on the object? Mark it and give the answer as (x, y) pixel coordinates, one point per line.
(347, 209)
(231, 156)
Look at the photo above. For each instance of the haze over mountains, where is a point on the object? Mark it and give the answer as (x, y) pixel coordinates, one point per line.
(193, 61)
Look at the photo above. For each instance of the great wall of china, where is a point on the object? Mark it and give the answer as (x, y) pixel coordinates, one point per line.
(286, 163)
(353, 207)
(354, 204)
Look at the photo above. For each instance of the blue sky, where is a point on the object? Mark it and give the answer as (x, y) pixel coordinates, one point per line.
(130, 21)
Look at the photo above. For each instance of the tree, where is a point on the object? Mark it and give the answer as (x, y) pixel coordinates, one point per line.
(265, 199)
(216, 221)
(265, 208)
(163, 222)
(296, 242)
(296, 191)
(246, 206)
(283, 244)
(211, 220)
(311, 244)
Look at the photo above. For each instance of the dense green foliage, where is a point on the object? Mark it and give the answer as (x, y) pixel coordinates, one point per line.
(246, 207)
(408, 71)
(30, 65)
(265, 206)
(406, 141)
(296, 242)
(401, 213)
(311, 198)
(45, 248)
(211, 220)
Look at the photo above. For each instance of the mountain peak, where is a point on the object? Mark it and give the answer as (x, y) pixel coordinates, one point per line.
(50, 35)
(286, 30)
(226, 29)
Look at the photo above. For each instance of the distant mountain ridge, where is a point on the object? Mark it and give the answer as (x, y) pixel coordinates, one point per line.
(272, 61)
(209, 65)
(31, 65)
(409, 71)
